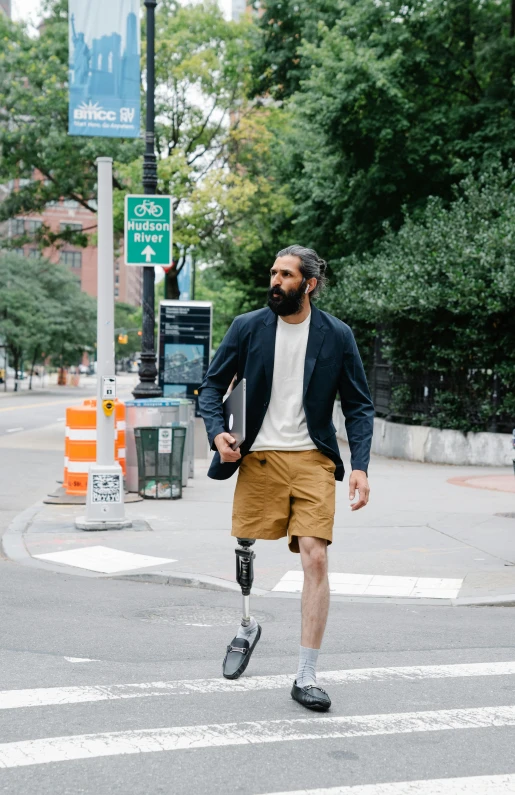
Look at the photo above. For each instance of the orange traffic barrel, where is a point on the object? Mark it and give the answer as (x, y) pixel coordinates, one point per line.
(81, 444)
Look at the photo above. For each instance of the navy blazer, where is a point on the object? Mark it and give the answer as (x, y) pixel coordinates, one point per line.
(332, 365)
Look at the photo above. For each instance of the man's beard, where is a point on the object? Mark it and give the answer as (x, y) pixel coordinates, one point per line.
(285, 304)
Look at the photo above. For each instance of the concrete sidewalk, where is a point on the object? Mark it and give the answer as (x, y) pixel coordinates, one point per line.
(417, 525)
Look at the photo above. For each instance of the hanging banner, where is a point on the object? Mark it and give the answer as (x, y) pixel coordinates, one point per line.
(104, 76)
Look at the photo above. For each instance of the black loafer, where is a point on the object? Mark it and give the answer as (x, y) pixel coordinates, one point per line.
(238, 656)
(311, 696)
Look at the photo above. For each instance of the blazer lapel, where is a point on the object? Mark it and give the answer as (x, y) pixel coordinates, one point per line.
(267, 340)
(315, 340)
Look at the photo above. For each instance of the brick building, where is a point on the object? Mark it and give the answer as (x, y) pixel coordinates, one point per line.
(82, 262)
(5, 6)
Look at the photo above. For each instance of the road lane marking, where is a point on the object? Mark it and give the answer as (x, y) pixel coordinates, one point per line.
(79, 659)
(13, 430)
(41, 405)
(103, 559)
(469, 785)
(378, 585)
(216, 735)
(57, 696)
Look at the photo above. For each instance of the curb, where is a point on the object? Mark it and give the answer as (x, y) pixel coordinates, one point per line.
(14, 549)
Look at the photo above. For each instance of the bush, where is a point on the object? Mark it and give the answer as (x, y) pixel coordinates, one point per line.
(440, 294)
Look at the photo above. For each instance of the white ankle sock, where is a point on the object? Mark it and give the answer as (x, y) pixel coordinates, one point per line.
(306, 674)
(248, 633)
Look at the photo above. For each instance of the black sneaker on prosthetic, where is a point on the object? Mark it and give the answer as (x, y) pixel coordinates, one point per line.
(238, 656)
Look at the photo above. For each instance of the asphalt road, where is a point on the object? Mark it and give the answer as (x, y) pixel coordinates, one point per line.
(114, 686)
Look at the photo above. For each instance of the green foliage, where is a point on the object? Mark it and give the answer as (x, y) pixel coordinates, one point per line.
(441, 292)
(227, 296)
(34, 143)
(127, 320)
(43, 312)
(394, 98)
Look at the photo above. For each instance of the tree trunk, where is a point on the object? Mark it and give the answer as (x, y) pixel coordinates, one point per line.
(34, 359)
(172, 285)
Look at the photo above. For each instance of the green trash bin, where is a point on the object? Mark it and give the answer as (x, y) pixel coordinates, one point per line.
(160, 452)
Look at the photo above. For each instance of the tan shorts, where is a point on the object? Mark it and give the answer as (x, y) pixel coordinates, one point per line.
(285, 493)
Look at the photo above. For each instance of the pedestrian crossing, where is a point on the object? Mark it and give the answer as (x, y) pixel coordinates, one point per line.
(304, 730)
(468, 785)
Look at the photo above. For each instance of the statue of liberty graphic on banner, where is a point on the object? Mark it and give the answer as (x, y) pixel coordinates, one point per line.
(104, 61)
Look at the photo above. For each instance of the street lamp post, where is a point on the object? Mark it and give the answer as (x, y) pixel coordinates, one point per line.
(147, 387)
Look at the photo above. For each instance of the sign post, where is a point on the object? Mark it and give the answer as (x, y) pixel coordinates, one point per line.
(148, 230)
(104, 502)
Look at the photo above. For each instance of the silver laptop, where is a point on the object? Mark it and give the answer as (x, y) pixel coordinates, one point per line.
(235, 413)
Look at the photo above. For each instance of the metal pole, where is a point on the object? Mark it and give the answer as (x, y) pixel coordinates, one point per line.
(147, 387)
(104, 502)
(105, 308)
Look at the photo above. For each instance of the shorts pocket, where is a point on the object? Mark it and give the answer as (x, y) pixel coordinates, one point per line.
(249, 504)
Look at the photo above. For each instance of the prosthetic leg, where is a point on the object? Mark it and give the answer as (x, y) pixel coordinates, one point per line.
(238, 652)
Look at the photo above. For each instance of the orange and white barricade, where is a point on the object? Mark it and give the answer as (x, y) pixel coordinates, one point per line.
(81, 444)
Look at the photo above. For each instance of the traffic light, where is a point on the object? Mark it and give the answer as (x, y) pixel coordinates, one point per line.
(140, 333)
(123, 339)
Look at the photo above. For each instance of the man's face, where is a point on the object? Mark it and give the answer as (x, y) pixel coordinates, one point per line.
(287, 286)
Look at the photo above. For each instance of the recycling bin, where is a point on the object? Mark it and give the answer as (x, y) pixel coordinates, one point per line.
(160, 453)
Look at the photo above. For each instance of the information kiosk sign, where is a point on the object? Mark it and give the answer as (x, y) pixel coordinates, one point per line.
(185, 331)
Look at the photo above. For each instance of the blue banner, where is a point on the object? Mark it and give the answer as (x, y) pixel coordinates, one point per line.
(104, 60)
(184, 279)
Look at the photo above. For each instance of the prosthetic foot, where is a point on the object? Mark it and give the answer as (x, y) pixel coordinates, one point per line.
(239, 650)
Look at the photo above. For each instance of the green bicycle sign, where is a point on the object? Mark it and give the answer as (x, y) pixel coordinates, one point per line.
(148, 230)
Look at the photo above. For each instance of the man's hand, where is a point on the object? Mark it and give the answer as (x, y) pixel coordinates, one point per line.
(358, 481)
(223, 443)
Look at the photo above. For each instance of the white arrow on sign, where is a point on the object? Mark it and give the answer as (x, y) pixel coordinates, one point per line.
(148, 252)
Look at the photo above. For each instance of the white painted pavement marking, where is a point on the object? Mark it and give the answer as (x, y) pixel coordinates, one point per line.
(470, 785)
(103, 559)
(13, 430)
(215, 735)
(377, 585)
(51, 696)
(79, 659)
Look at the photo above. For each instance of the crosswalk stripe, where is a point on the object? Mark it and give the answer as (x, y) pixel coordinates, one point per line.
(56, 696)
(177, 738)
(469, 785)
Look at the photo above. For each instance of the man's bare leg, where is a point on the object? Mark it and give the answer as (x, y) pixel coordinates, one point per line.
(315, 607)
(315, 593)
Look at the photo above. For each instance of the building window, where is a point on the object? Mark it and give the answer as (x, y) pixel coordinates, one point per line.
(71, 258)
(17, 226)
(117, 279)
(33, 253)
(33, 226)
(18, 251)
(66, 227)
(72, 204)
(116, 292)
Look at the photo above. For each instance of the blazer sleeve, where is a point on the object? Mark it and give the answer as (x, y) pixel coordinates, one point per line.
(218, 378)
(356, 402)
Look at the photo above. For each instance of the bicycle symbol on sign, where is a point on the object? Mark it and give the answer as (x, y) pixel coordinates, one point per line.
(148, 207)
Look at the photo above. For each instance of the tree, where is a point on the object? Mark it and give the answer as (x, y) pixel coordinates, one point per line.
(441, 293)
(43, 313)
(34, 143)
(396, 100)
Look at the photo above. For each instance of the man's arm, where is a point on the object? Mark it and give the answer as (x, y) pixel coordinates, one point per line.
(358, 411)
(218, 378)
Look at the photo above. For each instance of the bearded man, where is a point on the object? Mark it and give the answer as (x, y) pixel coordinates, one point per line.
(295, 359)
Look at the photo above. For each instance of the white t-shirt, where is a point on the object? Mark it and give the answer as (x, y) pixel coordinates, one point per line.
(284, 426)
